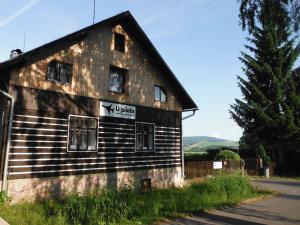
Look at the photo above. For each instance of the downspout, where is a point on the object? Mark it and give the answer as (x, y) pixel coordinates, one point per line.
(5, 169)
(182, 153)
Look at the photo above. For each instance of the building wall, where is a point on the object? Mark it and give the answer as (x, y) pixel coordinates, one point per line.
(39, 159)
(91, 59)
(39, 137)
(32, 189)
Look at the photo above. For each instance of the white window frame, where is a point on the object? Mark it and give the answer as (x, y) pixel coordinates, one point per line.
(97, 131)
(135, 131)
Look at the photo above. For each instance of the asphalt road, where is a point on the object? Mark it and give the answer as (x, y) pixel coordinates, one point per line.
(280, 209)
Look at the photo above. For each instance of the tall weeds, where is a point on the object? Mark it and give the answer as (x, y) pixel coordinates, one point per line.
(129, 206)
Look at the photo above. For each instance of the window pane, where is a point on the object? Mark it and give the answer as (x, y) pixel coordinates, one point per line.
(139, 141)
(93, 123)
(139, 127)
(84, 123)
(116, 82)
(163, 96)
(52, 73)
(73, 140)
(156, 93)
(145, 140)
(72, 122)
(83, 140)
(145, 128)
(119, 42)
(64, 73)
(92, 140)
(150, 141)
(150, 128)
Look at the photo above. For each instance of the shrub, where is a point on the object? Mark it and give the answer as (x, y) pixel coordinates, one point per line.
(263, 155)
(227, 155)
(3, 197)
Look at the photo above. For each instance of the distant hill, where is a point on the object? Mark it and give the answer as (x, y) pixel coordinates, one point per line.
(203, 143)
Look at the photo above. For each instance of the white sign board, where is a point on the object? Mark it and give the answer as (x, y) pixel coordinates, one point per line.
(117, 110)
(217, 165)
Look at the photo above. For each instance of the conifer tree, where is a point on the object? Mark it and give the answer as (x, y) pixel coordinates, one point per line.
(264, 113)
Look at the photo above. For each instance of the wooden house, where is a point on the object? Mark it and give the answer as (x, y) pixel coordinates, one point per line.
(94, 108)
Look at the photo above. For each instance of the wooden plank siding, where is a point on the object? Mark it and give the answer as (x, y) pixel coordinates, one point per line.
(40, 135)
(91, 59)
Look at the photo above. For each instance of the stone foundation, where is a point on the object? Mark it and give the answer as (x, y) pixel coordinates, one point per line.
(39, 188)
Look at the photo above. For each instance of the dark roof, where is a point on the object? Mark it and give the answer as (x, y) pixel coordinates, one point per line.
(131, 26)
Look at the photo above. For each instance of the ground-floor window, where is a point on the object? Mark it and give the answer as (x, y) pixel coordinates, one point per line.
(144, 136)
(82, 133)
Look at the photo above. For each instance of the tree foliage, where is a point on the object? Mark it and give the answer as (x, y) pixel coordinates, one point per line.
(269, 111)
(282, 12)
(227, 155)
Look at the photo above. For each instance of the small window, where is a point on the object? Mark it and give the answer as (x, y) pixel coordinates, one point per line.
(59, 72)
(160, 94)
(119, 42)
(82, 134)
(144, 137)
(117, 80)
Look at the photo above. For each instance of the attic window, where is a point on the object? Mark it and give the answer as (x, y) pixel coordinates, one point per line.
(160, 94)
(119, 42)
(59, 72)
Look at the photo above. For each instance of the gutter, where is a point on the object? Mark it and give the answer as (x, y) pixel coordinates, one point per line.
(11, 113)
(182, 153)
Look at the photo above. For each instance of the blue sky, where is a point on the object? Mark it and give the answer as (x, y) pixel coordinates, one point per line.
(199, 39)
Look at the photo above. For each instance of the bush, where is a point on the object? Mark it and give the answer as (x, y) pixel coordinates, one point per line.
(228, 155)
(3, 197)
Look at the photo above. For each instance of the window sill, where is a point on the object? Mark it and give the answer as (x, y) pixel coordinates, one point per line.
(119, 93)
(160, 101)
(59, 83)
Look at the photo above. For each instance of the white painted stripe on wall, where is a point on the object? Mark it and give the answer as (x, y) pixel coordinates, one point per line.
(168, 147)
(43, 117)
(116, 143)
(101, 157)
(167, 135)
(116, 128)
(167, 139)
(89, 169)
(45, 147)
(168, 144)
(93, 163)
(109, 132)
(33, 128)
(173, 128)
(37, 123)
(121, 124)
(38, 153)
(103, 147)
(101, 152)
(39, 135)
(125, 138)
(167, 132)
(33, 141)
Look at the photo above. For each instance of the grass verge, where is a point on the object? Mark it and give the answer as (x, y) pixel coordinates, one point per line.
(129, 206)
(297, 179)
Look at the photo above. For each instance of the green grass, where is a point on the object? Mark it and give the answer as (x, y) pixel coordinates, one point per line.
(129, 206)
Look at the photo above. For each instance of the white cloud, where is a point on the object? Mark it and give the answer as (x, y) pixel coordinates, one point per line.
(19, 12)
